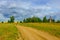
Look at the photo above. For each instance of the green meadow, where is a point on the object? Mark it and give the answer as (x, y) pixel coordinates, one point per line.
(8, 31)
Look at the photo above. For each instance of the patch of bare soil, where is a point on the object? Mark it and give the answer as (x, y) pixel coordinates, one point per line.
(28, 33)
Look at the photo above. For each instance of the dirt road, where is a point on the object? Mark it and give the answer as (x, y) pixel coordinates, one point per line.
(28, 33)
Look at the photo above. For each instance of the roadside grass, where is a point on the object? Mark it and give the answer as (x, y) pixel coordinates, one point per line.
(52, 28)
(8, 31)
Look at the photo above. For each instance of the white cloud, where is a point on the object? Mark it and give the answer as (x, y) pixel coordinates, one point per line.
(42, 7)
(2, 18)
(12, 5)
(3, 3)
(54, 4)
(27, 9)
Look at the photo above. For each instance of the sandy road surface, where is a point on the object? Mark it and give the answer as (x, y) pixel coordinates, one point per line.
(28, 33)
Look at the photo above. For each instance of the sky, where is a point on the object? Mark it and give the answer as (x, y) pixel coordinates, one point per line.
(21, 9)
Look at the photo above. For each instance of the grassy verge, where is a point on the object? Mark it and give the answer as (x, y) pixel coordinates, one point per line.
(8, 32)
(52, 28)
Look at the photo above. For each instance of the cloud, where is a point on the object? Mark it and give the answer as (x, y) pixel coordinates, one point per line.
(54, 4)
(2, 18)
(27, 8)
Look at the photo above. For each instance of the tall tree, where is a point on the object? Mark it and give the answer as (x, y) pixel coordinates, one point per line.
(32, 19)
(2, 22)
(58, 21)
(11, 19)
(45, 19)
(36, 19)
(8, 21)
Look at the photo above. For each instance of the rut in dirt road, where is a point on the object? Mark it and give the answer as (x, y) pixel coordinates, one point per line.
(28, 33)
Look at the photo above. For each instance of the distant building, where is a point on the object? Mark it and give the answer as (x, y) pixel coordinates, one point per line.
(50, 19)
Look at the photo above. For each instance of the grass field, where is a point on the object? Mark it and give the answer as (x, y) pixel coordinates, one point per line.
(52, 28)
(8, 32)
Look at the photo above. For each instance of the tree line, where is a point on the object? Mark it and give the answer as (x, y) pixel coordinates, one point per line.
(37, 19)
(34, 20)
